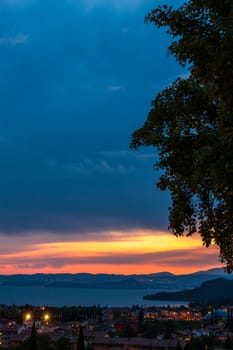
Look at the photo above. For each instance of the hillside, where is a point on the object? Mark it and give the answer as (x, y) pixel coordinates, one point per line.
(155, 281)
(219, 290)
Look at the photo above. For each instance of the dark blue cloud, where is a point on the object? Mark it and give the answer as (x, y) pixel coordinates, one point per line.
(76, 79)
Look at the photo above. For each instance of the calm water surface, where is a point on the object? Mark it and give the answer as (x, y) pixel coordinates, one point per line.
(77, 296)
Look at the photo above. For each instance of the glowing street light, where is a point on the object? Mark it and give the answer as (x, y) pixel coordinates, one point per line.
(28, 316)
(46, 317)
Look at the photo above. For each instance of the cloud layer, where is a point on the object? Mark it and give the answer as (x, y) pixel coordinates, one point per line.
(77, 78)
(117, 252)
(72, 92)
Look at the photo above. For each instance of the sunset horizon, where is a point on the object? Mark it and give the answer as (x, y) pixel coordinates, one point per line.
(74, 196)
(116, 252)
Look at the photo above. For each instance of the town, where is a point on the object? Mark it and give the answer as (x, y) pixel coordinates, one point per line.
(126, 328)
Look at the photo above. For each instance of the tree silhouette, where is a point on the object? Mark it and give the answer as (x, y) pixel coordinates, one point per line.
(191, 123)
(80, 341)
(33, 338)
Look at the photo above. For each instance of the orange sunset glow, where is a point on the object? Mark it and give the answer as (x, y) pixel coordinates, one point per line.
(75, 196)
(140, 252)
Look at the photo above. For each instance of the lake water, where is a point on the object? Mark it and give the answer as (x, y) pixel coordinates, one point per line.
(77, 296)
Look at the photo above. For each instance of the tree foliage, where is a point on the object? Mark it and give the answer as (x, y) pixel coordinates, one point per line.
(200, 343)
(191, 123)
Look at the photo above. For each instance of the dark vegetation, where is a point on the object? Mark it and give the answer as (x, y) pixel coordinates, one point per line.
(215, 292)
(191, 123)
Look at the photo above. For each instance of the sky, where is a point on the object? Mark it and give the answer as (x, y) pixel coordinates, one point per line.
(77, 78)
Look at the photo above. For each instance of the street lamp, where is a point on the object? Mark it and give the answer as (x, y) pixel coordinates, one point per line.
(37, 316)
(46, 317)
(28, 316)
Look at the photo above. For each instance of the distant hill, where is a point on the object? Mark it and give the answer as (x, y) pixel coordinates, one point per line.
(156, 281)
(216, 291)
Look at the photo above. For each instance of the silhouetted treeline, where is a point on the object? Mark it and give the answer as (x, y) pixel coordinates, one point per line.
(216, 292)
